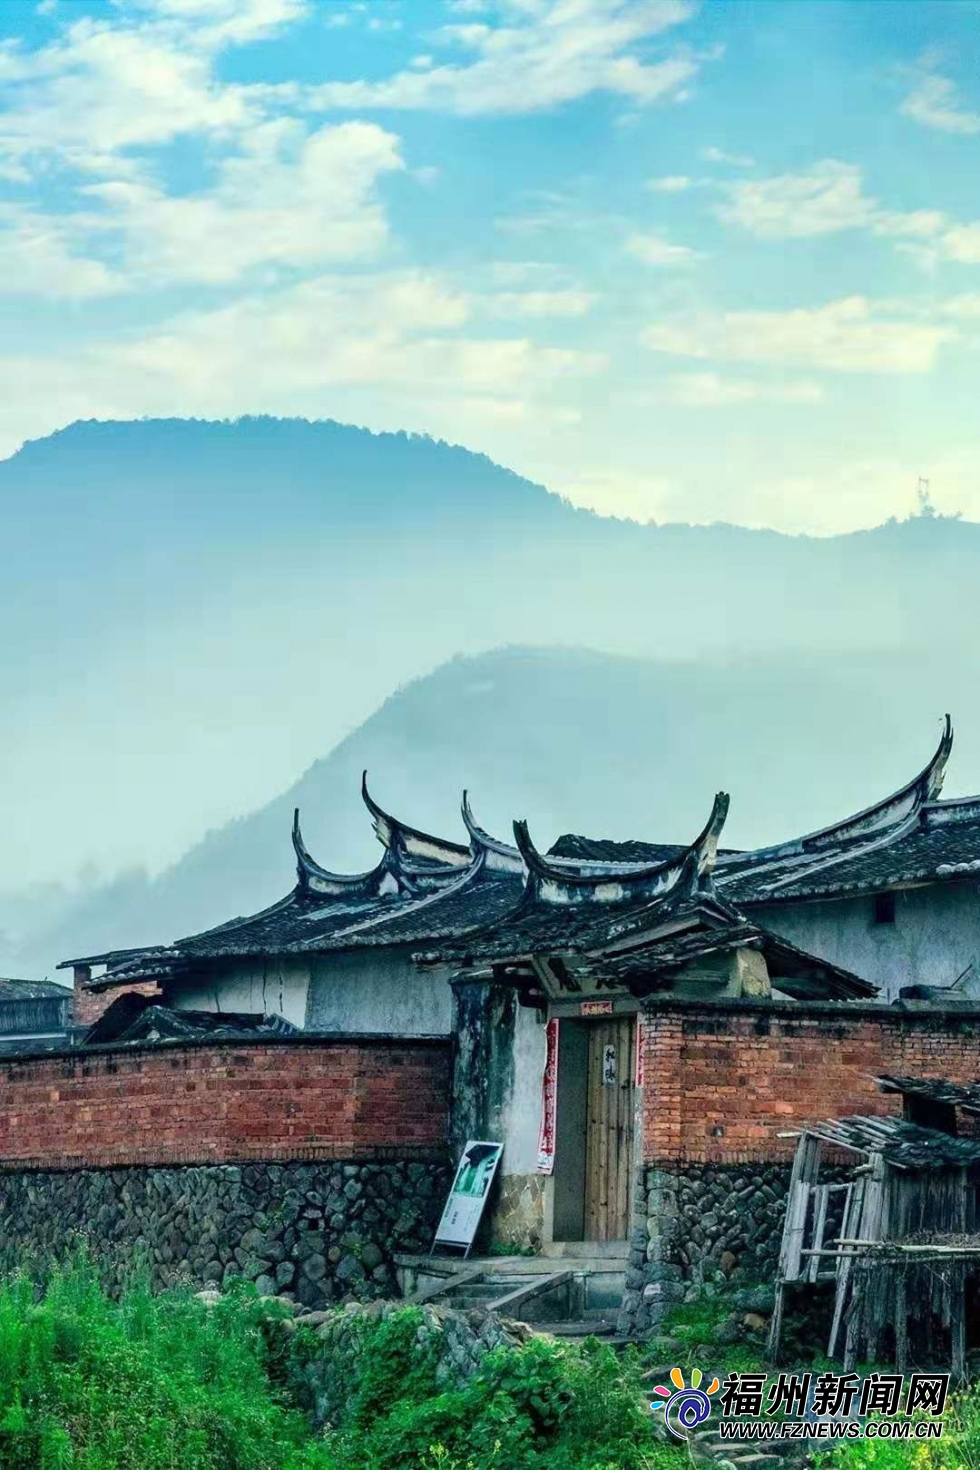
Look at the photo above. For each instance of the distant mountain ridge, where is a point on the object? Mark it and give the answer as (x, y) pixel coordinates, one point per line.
(572, 740)
(191, 612)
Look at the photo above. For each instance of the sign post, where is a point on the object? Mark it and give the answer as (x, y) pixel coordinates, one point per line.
(464, 1207)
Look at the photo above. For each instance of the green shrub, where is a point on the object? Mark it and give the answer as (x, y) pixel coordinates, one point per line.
(145, 1383)
(168, 1383)
(544, 1404)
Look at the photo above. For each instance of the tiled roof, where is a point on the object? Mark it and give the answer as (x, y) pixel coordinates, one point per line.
(31, 989)
(905, 1145)
(942, 845)
(601, 850)
(791, 970)
(935, 1090)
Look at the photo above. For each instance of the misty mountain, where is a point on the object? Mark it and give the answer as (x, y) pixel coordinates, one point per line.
(193, 612)
(572, 740)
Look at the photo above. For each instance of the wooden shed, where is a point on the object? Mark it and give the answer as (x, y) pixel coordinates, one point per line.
(893, 1236)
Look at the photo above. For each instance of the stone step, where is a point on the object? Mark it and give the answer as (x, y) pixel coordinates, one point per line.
(587, 1327)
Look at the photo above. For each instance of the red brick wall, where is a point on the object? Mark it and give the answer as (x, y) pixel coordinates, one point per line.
(89, 1005)
(222, 1103)
(752, 1071)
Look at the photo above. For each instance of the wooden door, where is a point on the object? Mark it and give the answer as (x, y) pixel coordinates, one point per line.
(609, 1129)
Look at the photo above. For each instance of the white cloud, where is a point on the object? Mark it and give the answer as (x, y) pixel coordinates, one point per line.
(657, 250)
(544, 53)
(965, 306)
(212, 24)
(732, 160)
(851, 335)
(102, 88)
(37, 259)
(962, 243)
(397, 329)
(286, 200)
(933, 102)
(542, 303)
(404, 339)
(708, 390)
(829, 198)
(826, 199)
(670, 184)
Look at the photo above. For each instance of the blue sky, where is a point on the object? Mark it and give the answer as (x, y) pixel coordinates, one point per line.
(676, 261)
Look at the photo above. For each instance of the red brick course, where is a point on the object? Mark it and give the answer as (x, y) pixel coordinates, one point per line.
(722, 1081)
(90, 1005)
(225, 1103)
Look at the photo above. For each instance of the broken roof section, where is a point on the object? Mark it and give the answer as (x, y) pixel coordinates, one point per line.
(902, 1145)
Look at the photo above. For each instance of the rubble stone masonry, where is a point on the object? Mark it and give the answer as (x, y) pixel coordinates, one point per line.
(320, 1232)
(302, 1164)
(724, 1080)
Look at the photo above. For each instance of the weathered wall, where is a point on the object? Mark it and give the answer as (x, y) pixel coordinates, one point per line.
(89, 1006)
(723, 1081)
(274, 986)
(322, 1232)
(497, 1075)
(519, 1212)
(364, 990)
(347, 1098)
(935, 936)
(378, 990)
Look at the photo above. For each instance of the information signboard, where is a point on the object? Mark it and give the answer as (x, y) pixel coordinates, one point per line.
(468, 1195)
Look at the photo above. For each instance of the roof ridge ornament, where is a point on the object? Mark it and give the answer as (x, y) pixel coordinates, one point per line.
(899, 807)
(556, 883)
(405, 841)
(498, 855)
(312, 878)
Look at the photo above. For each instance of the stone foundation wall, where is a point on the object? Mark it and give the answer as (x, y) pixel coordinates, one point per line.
(516, 1213)
(321, 1232)
(699, 1225)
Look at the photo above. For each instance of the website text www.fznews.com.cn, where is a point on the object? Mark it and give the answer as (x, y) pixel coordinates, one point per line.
(830, 1406)
(830, 1429)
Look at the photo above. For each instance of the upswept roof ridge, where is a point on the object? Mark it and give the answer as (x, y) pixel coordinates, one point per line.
(410, 843)
(426, 887)
(557, 881)
(908, 836)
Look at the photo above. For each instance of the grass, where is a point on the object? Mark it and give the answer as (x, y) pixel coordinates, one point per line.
(164, 1382)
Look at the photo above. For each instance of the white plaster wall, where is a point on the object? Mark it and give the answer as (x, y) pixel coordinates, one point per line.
(935, 937)
(268, 987)
(378, 990)
(523, 1112)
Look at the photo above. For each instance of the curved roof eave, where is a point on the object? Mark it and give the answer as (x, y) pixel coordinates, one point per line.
(893, 814)
(311, 878)
(498, 855)
(395, 834)
(558, 883)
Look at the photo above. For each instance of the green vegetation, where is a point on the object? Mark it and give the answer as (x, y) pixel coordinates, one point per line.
(959, 1448)
(166, 1382)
